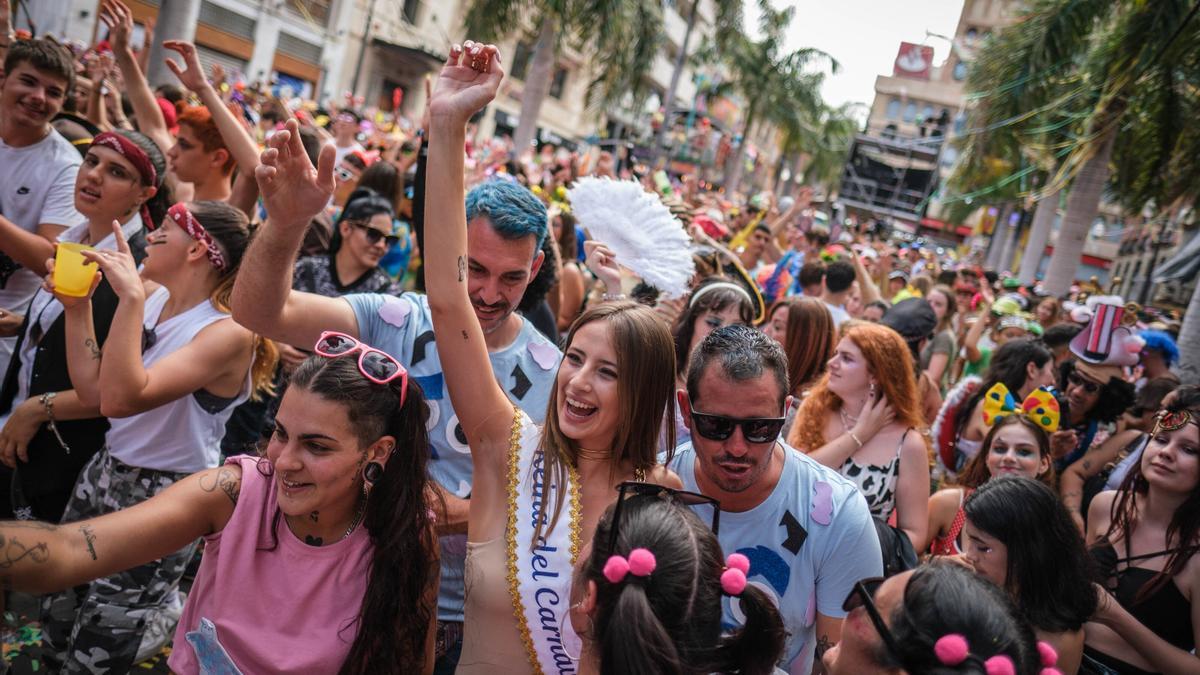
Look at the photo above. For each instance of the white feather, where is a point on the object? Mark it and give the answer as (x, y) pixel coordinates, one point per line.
(639, 229)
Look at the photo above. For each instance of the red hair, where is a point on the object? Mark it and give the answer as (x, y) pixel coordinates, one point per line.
(889, 360)
(199, 120)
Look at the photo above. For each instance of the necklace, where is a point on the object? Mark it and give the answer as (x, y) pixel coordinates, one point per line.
(848, 420)
(354, 523)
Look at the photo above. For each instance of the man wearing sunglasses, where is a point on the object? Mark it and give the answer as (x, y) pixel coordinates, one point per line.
(506, 226)
(806, 530)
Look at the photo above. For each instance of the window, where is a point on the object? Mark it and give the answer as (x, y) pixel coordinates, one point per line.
(910, 112)
(971, 36)
(893, 109)
(927, 113)
(560, 81)
(889, 131)
(960, 123)
(410, 10)
(960, 71)
(521, 60)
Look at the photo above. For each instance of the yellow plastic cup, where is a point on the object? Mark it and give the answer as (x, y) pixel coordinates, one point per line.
(73, 274)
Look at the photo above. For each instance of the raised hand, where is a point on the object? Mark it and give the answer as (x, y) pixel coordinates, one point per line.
(603, 263)
(67, 301)
(119, 267)
(119, 20)
(192, 74)
(293, 191)
(468, 82)
(876, 414)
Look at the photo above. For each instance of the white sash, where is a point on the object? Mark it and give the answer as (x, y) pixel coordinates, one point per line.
(540, 577)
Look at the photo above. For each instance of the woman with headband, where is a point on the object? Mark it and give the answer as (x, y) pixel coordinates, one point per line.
(47, 433)
(172, 371)
(714, 302)
(863, 420)
(648, 592)
(1144, 538)
(319, 556)
(538, 493)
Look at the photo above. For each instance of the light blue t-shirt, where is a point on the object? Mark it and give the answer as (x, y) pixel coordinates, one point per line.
(403, 327)
(808, 543)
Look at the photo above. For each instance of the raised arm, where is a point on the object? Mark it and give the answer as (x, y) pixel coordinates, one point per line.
(293, 191)
(119, 20)
(468, 82)
(41, 558)
(239, 142)
(876, 415)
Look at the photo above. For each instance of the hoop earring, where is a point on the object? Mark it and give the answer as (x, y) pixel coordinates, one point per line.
(566, 615)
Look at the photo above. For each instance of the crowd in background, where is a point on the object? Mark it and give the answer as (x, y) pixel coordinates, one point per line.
(418, 417)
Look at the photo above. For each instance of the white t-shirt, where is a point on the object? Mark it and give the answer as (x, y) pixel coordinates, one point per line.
(838, 313)
(37, 186)
(342, 152)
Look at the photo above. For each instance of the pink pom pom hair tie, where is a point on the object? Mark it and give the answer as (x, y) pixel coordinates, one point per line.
(640, 562)
(951, 649)
(733, 579)
(1047, 653)
(999, 665)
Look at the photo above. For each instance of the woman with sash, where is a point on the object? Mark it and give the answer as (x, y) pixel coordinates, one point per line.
(537, 493)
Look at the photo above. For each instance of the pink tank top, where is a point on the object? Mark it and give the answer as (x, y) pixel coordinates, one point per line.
(291, 609)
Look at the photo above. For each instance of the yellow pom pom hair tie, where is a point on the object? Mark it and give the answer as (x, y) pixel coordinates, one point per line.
(1040, 407)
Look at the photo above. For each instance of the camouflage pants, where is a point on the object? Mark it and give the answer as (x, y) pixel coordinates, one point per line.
(97, 628)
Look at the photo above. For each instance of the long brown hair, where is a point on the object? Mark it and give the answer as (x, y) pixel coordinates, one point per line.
(951, 306)
(233, 233)
(976, 472)
(1183, 532)
(645, 389)
(888, 359)
(809, 341)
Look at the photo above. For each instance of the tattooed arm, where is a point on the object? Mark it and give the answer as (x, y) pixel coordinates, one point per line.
(1072, 481)
(83, 351)
(828, 632)
(41, 558)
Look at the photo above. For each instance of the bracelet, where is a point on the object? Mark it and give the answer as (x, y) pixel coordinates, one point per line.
(855, 439)
(613, 297)
(47, 400)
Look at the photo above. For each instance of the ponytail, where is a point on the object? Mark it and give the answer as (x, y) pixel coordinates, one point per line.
(633, 622)
(754, 648)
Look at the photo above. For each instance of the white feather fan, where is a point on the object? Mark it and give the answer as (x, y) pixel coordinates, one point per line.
(639, 229)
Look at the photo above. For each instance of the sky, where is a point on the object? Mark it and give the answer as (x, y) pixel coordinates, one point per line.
(864, 36)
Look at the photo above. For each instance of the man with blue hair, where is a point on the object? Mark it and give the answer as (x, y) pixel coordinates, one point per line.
(1158, 355)
(506, 227)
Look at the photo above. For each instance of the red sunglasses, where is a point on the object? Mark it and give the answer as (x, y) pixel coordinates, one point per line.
(378, 367)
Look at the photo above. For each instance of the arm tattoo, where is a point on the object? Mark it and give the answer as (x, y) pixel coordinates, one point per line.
(314, 516)
(823, 645)
(13, 551)
(89, 535)
(462, 268)
(225, 480)
(93, 349)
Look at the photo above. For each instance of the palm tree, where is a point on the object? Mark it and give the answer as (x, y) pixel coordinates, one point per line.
(621, 36)
(775, 85)
(727, 24)
(1120, 63)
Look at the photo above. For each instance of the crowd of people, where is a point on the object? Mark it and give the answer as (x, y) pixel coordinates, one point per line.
(414, 401)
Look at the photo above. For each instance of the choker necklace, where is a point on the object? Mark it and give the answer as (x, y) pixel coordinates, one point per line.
(592, 455)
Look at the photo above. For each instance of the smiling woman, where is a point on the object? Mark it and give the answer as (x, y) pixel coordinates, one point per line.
(537, 493)
(332, 525)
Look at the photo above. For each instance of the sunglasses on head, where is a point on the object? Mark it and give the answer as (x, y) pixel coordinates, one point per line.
(374, 236)
(1077, 380)
(863, 595)
(754, 429)
(635, 489)
(378, 367)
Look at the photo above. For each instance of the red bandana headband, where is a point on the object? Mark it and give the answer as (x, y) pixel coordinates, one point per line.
(136, 156)
(188, 223)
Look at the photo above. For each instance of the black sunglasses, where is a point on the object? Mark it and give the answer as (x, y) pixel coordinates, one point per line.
(635, 489)
(1078, 380)
(755, 429)
(863, 595)
(374, 235)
